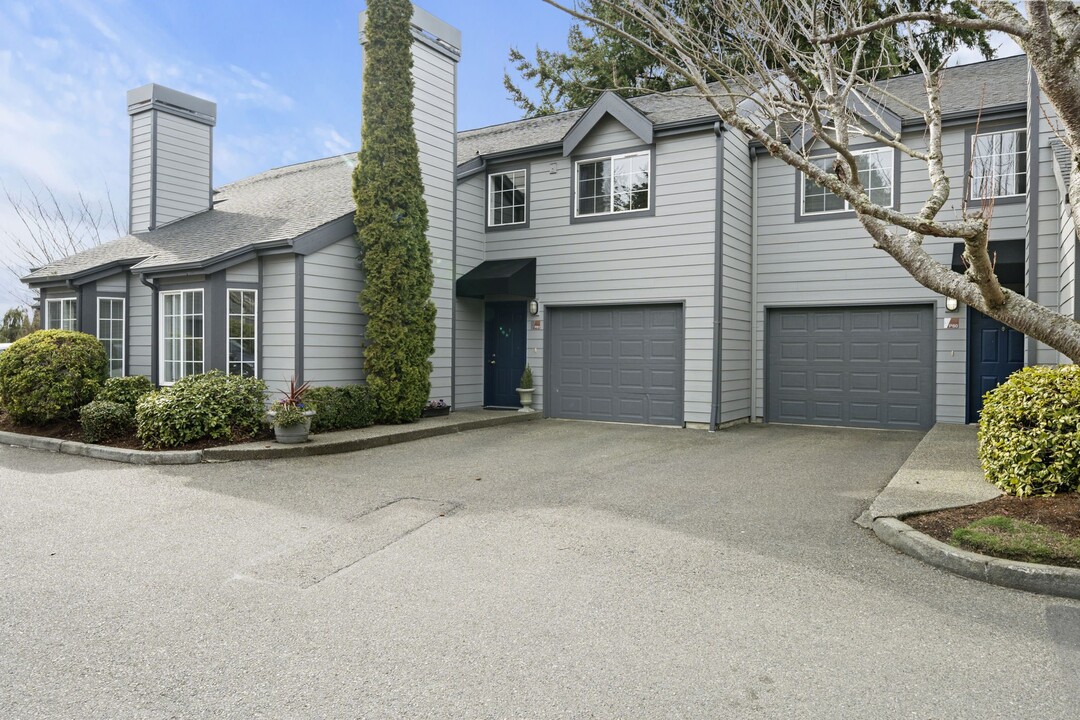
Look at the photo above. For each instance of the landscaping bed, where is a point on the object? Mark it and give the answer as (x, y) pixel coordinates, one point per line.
(1033, 529)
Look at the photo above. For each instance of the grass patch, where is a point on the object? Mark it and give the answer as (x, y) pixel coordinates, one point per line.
(1013, 539)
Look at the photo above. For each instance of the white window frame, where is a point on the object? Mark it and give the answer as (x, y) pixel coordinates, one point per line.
(228, 328)
(647, 154)
(847, 206)
(123, 332)
(491, 198)
(973, 190)
(61, 302)
(161, 333)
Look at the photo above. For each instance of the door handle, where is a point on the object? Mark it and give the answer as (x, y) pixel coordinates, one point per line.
(492, 362)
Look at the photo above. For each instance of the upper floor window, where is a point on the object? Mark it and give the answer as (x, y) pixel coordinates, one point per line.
(181, 334)
(241, 340)
(875, 173)
(998, 164)
(61, 314)
(615, 184)
(110, 331)
(507, 197)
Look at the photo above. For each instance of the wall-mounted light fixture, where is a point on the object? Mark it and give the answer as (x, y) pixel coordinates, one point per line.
(534, 307)
(951, 304)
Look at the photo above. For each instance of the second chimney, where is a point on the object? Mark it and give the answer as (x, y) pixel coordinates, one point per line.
(171, 146)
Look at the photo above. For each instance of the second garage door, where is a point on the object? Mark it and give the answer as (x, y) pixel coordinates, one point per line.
(856, 366)
(622, 363)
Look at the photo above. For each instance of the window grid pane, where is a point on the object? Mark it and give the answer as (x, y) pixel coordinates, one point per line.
(507, 197)
(111, 332)
(182, 329)
(875, 173)
(999, 165)
(612, 185)
(241, 340)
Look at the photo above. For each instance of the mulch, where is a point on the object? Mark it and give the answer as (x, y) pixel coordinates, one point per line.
(1061, 513)
(70, 430)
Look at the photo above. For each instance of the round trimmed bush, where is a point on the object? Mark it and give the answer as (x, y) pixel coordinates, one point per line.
(104, 420)
(48, 375)
(1029, 432)
(126, 390)
(200, 407)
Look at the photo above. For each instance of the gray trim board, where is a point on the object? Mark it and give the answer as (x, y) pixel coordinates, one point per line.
(298, 348)
(154, 329)
(467, 169)
(324, 236)
(845, 214)
(607, 217)
(608, 104)
(1032, 197)
(259, 323)
(215, 319)
(982, 129)
(453, 254)
(718, 276)
(86, 311)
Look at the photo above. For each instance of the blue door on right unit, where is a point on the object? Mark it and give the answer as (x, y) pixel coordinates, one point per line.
(994, 352)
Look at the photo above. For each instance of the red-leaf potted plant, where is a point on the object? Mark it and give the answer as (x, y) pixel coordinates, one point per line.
(291, 416)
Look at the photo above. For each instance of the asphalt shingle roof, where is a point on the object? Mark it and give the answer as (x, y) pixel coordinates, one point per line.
(273, 206)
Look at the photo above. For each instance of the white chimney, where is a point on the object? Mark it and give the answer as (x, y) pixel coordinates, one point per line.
(172, 137)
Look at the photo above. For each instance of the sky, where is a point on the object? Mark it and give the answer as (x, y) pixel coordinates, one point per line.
(285, 77)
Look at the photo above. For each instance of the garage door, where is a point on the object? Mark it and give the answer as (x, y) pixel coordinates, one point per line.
(621, 363)
(861, 366)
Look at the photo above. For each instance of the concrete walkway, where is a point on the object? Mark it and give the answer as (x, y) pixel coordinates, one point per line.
(943, 472)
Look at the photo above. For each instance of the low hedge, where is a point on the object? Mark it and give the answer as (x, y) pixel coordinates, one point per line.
(341, 408)
(126, 390)
(1029, 432)
(104, 420)
(48, 375)
(210, 406)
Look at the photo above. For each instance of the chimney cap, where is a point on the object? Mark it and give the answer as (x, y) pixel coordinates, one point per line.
(428, 29)
(158, 97)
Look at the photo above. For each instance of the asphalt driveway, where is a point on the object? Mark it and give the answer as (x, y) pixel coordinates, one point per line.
(550, 569)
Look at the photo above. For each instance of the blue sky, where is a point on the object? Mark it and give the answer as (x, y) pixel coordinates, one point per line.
(285, 76)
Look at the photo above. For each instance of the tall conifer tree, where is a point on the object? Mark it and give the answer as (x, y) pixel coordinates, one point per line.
(391, 222)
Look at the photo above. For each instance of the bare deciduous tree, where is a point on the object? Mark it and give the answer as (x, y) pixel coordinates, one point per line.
(813, 66)
(49, 228)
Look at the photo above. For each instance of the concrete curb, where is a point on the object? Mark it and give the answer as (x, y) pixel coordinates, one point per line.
(1042, 579)
(103, 452)
(332, 447)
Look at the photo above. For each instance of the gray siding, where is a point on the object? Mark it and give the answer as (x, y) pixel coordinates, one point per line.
(140, 333)
(833, 262)
(141, 159)
(469, 346)
(183, 167)
(277, 320)
(435, 120)
(333, 323)
(1052, 256)
(116, 284)
(247, 272)
(735, 282)
(666, 258)
(609, 135)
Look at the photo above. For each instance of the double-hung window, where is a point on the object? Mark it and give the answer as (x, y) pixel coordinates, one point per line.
(615, 184)
(61, 314)
(110, 331)
(998, 164)
(507, 198)
(875, 173)
(181, 334)
(242, 324)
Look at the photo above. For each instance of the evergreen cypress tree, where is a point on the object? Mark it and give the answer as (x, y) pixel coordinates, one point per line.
(391, 221)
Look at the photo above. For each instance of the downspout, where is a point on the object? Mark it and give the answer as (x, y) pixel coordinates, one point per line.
(718, 271)
(152, 284)
(753, 288)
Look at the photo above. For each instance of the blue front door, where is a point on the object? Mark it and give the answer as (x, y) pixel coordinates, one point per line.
(994, 352)
(504, 352)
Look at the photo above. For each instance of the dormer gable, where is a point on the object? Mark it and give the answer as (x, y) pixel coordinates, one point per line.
(608, 105)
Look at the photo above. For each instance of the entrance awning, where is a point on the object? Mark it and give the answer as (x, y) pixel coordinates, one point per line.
(499, 277)
(1010, 262)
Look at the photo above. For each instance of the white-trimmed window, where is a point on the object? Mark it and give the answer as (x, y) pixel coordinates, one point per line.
(615, 184)
(110, 331)
(998, 164)
(243, 330)
(61, 314)
(507, 198)
(875, 174)
(181, 334)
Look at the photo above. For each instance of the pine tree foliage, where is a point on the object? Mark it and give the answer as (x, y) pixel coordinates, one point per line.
(391, 221)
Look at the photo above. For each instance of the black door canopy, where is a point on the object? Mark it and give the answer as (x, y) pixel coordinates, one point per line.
(499, 277)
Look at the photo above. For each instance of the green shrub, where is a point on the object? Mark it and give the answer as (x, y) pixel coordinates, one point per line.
(199, 407)
(104, 420)
(341, 408)
(48, 375)
(126, 390)
(1029, 432)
